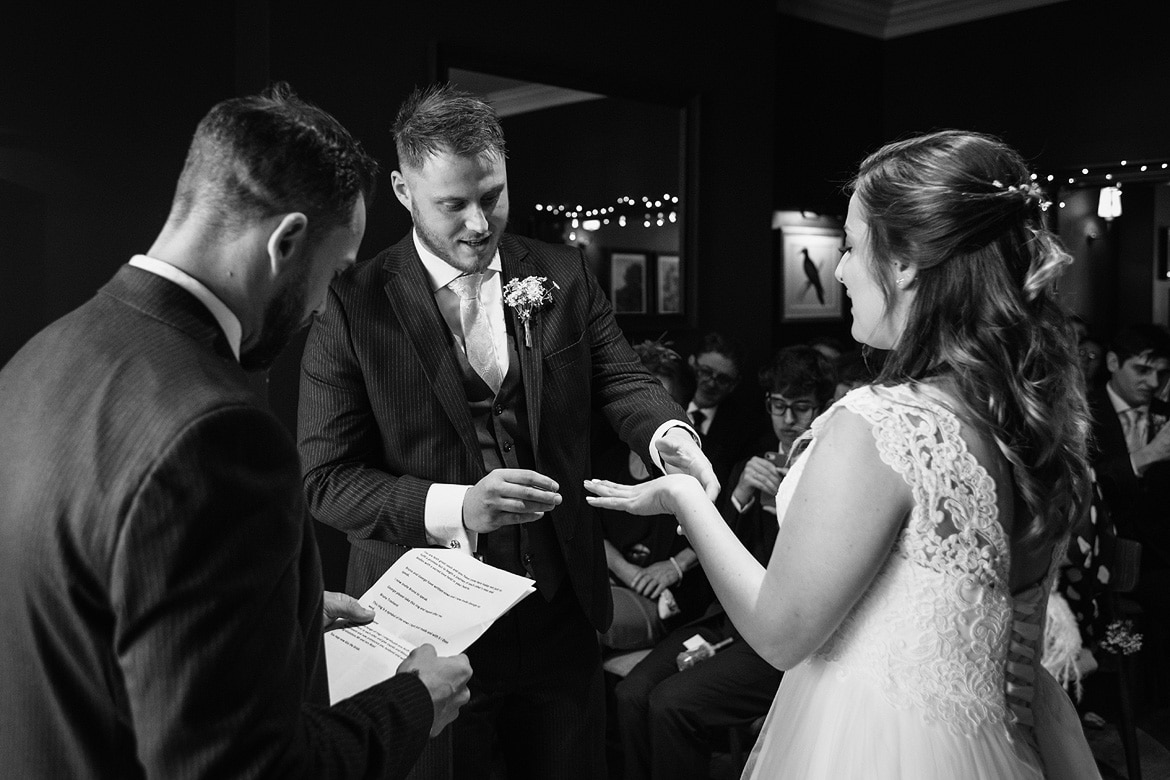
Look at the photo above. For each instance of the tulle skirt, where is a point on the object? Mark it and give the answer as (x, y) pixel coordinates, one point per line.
(823, 726)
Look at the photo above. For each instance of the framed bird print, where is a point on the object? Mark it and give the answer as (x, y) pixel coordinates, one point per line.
(809, 257)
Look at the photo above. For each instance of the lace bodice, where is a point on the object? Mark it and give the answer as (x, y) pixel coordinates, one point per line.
(934, 631)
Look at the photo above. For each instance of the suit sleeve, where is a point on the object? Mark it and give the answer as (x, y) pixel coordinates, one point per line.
(633, 402)
(212, 612)
(345, 480)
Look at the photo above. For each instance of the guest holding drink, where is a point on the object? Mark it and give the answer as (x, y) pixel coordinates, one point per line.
(798, 384)
(922, 528)
(669, 718)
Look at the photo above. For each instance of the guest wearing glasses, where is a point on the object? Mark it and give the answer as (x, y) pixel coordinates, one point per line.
(669, 719)
(729, 432)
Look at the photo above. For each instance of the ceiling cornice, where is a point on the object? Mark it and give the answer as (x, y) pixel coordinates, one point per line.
(887, 19)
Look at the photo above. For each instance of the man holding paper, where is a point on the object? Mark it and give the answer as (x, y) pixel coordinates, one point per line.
(446, 400)
(160, 585)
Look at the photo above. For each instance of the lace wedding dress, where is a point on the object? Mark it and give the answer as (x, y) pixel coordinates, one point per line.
(935, 672)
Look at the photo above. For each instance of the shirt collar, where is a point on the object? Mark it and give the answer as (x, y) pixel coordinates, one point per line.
(1119, 405)
(439, 271)
(229, 323)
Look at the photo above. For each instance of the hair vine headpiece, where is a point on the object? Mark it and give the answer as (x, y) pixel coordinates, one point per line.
(1031, 192)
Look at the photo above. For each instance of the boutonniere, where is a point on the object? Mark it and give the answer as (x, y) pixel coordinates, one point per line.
(526, 296)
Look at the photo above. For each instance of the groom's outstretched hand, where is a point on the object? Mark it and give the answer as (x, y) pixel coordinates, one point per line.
(681, 454)
(508, 497)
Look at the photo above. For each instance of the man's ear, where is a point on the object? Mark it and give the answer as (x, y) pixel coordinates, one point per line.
(1111, 362)
(401, 190)
(287, 241)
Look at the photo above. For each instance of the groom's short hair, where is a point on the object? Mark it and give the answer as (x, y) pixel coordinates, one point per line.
(269, 154)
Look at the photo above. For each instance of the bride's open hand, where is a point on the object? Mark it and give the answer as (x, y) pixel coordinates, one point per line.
(660, 496)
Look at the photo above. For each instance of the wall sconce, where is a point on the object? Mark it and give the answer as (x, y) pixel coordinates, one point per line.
(1109, 204)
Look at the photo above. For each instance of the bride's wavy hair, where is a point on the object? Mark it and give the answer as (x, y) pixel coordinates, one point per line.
(962, 209)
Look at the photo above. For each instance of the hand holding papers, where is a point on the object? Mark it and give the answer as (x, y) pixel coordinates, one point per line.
(429, 596)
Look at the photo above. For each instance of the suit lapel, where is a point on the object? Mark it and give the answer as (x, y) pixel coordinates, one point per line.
(517, 265)
(413, 303)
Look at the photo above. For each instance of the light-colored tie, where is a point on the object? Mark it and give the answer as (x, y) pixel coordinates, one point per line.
(1134, 423)
(477, 329)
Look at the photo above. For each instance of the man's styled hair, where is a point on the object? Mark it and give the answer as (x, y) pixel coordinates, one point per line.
(800, 370)
(268, 154)
(1138, 339)
(722, 345)
(441, 118)
(661, 360)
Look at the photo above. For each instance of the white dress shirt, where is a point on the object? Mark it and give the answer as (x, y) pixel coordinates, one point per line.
(228, 322)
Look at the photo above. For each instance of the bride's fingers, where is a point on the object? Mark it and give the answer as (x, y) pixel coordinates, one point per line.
(603, 487)
(606, 503)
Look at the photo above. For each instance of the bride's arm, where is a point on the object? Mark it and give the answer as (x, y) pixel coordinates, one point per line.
(837, 532)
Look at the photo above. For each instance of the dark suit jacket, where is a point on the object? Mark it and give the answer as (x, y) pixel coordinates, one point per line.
(383, 412)
(160, 583)
(735, 433)
(1140, 506)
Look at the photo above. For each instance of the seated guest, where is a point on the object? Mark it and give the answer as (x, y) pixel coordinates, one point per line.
(650, 565)
(1131, 458)
(667, 718)
(829, 346)
(853, 370)
(728, 431)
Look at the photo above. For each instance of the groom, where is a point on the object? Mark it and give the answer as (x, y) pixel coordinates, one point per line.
(441, 407)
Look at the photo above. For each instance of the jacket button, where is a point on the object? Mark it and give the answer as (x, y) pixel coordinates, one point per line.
(507, 446)
(498, 410)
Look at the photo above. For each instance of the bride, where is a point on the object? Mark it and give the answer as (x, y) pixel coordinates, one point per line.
(922, 525)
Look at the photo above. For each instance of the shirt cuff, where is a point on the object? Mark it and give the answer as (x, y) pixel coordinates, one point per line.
(658, 434)
(740, 509)
(443, 518)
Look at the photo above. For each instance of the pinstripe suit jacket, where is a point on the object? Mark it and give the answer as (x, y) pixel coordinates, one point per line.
(383, 413)
(160, 587)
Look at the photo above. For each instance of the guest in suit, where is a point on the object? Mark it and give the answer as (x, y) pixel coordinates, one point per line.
(161, 585)
(668, 719)
(729, 431)
(656, 582)
(446, 400)
(1132, 461)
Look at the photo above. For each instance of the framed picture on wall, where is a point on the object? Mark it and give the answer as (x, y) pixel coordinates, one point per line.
(808, 258)
(670, 292)
(627, 278)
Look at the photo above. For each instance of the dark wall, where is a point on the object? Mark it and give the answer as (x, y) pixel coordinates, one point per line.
(829, 86)
(96, 111)
(1072, 83)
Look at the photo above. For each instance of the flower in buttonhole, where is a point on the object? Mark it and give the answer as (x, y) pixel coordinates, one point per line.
(526, 296)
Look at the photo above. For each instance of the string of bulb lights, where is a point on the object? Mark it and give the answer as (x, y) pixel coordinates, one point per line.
(1109, 177)
(651, 211)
